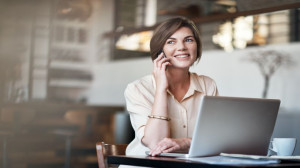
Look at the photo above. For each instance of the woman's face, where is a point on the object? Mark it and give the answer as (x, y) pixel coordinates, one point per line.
(181, 48)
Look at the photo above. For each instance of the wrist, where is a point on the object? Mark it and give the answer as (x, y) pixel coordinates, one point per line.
(161, 90)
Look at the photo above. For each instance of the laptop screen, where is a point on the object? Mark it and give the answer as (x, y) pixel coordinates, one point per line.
(234, 125)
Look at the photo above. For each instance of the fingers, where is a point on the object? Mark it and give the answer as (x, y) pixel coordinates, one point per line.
(160, 147)
(171, 145)
(157, 149)
(161, 62)
(166, 145)
(164, 65)
(171, 149)
(159, 57)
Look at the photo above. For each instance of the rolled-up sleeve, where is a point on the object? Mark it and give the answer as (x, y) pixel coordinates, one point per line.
(139, 107)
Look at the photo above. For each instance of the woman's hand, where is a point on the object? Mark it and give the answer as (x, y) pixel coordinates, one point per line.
(171, 145)
(159, 72)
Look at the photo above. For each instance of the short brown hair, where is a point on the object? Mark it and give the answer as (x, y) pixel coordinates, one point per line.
(169, 27)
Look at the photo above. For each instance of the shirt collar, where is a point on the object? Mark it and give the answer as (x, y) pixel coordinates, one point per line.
(194, 86)
(194, 83)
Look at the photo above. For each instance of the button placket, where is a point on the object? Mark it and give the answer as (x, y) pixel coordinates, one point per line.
(184, 124)
(183, 112)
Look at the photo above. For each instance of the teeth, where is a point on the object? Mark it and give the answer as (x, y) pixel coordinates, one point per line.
(182, 56)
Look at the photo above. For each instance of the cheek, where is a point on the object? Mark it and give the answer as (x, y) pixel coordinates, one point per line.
(193, 49)
(168, 51)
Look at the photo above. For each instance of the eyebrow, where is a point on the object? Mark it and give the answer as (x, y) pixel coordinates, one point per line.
(184, 37)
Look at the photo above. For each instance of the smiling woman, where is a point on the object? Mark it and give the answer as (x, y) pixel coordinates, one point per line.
(163, 106)
(164, 31)
(181, 48)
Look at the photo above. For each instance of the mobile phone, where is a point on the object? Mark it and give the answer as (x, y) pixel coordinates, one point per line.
(164, 56)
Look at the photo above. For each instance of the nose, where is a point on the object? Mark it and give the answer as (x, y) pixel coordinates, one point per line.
(181, 46)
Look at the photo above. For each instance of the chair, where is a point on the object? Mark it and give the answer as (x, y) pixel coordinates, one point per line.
(104, 150)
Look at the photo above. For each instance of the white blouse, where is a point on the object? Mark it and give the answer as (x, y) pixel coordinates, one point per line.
(139, 97)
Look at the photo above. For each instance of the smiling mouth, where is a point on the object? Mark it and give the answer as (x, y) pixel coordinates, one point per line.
(182, 56)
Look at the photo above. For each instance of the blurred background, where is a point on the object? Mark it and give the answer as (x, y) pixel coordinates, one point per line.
(64, 66)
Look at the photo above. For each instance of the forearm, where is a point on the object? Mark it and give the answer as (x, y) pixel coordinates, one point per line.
(157, 129)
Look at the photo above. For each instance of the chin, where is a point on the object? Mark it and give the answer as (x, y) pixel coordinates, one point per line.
(183, 64)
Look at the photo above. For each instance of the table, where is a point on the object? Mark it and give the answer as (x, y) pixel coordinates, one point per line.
(168, 162)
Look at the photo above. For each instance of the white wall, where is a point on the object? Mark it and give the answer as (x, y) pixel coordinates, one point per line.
(111, 79)
(234, 76)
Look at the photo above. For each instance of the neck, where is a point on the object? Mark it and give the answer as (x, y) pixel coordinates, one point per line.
(178, 78)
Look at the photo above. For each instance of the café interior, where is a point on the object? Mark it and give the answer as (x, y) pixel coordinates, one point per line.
(64, 66)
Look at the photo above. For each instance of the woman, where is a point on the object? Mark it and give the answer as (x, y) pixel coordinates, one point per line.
(163, 106)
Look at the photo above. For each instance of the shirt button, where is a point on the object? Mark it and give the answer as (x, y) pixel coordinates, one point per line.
(184, 126)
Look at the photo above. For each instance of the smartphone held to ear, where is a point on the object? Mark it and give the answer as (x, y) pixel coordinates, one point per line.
(164, 56)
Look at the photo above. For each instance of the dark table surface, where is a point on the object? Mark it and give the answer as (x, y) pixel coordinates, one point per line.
(168, 162)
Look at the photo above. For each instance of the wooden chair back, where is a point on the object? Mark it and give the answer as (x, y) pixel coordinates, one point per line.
(103, 150)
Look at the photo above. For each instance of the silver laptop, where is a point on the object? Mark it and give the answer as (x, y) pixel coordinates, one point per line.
(232, 125)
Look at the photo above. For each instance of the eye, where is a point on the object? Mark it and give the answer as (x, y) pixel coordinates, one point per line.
(189, 40)
(170, 42)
